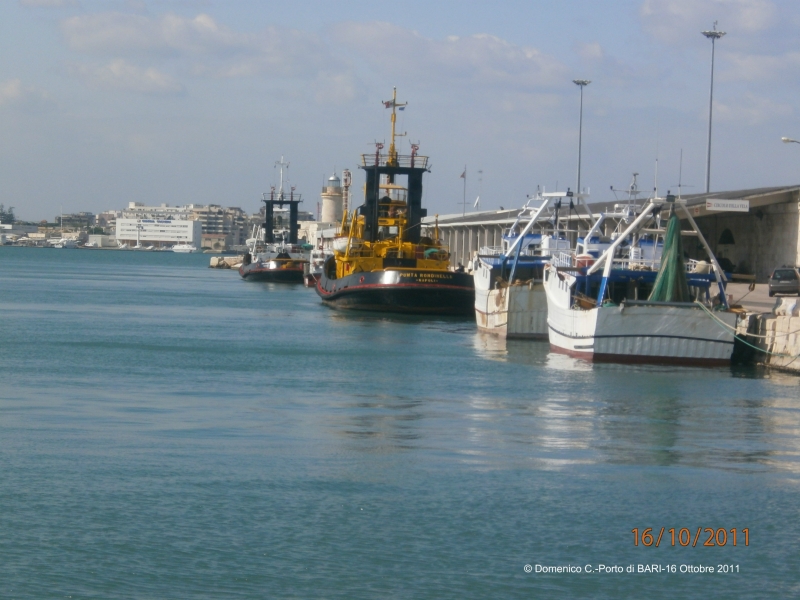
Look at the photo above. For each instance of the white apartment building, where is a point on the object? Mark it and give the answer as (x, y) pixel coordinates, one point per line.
(138, 210)
(159, 232)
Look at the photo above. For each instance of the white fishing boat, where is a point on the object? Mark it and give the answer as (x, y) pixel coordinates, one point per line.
(185, 248)
(612, 315)
(509, 296)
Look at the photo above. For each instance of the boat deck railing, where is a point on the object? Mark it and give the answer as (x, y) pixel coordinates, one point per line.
(499, 250)
(413, 161)
(568, 259)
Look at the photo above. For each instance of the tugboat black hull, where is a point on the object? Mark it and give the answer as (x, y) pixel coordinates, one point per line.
(254, 272)
(412, 291)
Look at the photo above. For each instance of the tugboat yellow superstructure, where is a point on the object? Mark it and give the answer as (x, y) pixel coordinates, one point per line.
(382, 261)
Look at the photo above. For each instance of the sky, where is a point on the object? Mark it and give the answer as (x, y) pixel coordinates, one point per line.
(103, 103)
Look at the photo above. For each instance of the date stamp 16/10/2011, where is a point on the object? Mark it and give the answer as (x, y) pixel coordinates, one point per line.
(684, 537)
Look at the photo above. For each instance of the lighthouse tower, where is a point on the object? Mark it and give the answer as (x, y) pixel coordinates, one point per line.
(332, 201)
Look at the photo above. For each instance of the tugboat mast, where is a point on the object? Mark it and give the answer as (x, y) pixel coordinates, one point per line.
(392, 159)
(281, 164)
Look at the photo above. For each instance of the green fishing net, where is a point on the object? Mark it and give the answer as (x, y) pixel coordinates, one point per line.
(670, 285)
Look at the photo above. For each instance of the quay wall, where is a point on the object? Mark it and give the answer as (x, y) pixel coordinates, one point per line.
(777, 337)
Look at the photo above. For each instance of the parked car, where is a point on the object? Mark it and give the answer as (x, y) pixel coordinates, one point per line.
(784, 280)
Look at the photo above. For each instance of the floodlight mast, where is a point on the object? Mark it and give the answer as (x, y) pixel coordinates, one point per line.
(582, 83)
(712, 35)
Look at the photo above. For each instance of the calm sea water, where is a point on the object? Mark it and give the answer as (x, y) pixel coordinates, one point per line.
(170, 431)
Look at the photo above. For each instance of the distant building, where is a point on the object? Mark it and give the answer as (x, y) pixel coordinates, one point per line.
(221, 225)
(159, 232)
(138, 210)
(100, 241)
(79, 220)
(107, 219)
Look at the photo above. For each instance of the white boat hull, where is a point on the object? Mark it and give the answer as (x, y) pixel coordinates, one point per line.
(513, 312)
(637, 333)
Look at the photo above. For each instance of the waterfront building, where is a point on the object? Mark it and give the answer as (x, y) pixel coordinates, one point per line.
(750, 231)
(138, 210)
(159, 232)
(79, 220)
(223, 227)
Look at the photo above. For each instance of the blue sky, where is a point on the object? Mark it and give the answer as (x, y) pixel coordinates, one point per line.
(103, 103)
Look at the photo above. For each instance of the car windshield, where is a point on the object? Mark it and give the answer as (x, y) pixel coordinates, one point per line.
(784, 274)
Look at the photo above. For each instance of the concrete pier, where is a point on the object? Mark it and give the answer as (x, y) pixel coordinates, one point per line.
(772, 325)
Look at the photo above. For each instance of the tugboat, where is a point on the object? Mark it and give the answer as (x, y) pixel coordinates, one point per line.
(275, 255)
(381, 259)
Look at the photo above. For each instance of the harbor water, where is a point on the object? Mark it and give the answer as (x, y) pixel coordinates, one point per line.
(171, 431)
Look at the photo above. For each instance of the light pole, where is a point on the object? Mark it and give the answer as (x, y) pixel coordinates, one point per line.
(712, 35)
(786, 140)
(582, 83)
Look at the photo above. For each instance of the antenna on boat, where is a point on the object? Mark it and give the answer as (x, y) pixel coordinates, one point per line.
(655, 183)
(281, 164)
(393, 104)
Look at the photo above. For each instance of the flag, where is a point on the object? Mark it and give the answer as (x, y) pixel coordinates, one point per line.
(401, 108)
(387, 103)
(477, 201)
(464, 174)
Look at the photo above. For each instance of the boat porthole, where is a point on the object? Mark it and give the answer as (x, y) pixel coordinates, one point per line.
(361, 280)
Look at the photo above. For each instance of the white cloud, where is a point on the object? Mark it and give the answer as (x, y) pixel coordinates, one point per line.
(29, 98)
(760, 67)
(752, 110)
(121, 75)
(335, 88)
(49, 3)
(475, 59)
(212, 49)
(592, 51)
(674, 20)
(10, 91)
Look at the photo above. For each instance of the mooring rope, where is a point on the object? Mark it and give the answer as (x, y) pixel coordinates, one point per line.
(745, 342)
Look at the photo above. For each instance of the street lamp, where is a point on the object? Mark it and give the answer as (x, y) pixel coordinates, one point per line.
(786, 140)
(712, 35)
(582, 83)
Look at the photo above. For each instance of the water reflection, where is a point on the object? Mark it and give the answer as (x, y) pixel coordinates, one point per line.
(384, 423)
